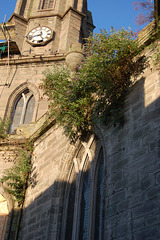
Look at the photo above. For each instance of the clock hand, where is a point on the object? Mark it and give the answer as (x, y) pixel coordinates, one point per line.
(38, 35)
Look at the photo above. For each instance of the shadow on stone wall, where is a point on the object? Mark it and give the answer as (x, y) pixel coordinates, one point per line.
(42, 219)
(133, 169)
(132, 180)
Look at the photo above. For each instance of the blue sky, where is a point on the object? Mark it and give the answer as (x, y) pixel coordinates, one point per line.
(106, 13)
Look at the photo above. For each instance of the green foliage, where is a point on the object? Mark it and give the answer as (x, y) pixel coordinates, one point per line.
(156, 56)
(15, 179)
(3, 128)
(96, 92)
(155, 46)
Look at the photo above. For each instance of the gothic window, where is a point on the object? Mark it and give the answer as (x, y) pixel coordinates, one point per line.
(85, 208)
(46, 4)
(23, 108)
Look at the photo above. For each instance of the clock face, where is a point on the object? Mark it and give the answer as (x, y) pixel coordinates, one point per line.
(39, 36)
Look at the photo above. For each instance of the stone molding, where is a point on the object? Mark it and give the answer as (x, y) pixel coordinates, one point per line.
(32, 59)
(57, 15)
(21, 88)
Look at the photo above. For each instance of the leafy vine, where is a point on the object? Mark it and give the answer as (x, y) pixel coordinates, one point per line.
(15, 179)
(4, 125)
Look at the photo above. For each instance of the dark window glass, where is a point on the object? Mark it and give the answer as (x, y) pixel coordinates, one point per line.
(47, 4)
(99, 196)
(23, 6)
(70, 212)
(85, 202)
(23, 109)
(29, 110)
(16, 114)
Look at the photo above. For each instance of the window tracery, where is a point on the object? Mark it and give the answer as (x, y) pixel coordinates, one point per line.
(23, 109)
(46, 4)
(87, 207)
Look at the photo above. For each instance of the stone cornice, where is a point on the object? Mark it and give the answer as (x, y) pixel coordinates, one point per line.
(148, 34)
(32, 59)
(28, 132)
(17, 16)
(13, 140)
(14, 15)
(58, 15)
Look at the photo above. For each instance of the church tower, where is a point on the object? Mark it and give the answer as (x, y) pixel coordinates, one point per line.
(104, 186)
(50, 23)
(38, 34)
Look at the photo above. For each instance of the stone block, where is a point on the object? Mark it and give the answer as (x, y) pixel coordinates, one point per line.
(29, 236)
(119, 165)
(43, 199)
(34, 227)
(139, 235)
(121, 230)
(121, 184)
(138, 223)
(153, 192)
(140, 153)
(117, 197)
(147, 183)
(111, 210)
(144, 209)
(152, 219)
(158, 178)
(123, 205)
(115, 177)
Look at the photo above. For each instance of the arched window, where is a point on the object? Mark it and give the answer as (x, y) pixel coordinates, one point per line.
(46, 4)
(23, 109)
(85, 203)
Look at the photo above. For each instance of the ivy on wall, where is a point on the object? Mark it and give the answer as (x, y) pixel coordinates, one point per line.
(155, 45)
(97, 90)
(15, 179)
(4, 125)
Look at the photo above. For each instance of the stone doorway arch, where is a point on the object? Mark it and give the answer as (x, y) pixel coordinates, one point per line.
(3, 216)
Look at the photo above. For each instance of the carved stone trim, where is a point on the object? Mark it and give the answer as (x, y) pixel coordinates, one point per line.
(19, 90)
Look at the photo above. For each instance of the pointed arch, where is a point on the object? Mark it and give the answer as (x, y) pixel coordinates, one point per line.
(22, 105)
(84, 198)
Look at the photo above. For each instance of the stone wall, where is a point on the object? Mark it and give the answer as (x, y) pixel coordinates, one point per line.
(131, 162)
(132, 172)
(24, 71)
(52, 158)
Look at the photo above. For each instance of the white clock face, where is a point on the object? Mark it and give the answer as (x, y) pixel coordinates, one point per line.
(39, 35)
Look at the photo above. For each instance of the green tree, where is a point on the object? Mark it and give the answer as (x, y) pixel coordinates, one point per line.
(96, 92)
